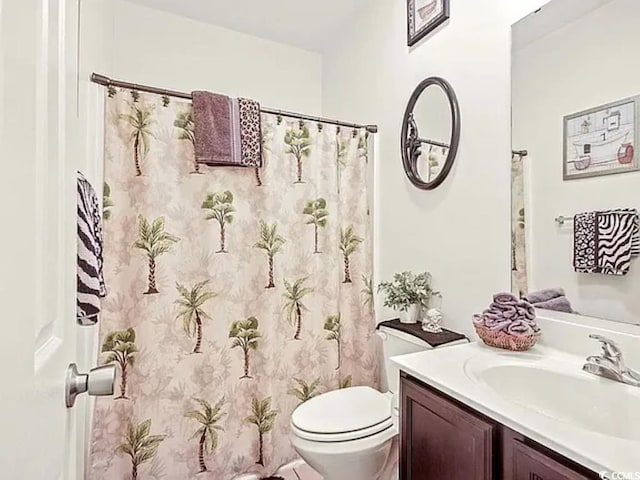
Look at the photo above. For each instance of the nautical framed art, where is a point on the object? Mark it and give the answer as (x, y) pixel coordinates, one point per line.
(424, 16)
(602, 140)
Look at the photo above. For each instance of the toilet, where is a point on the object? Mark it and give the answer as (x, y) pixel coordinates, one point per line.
(347, 434)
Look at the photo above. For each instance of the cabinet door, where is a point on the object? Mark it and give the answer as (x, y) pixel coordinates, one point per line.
(440, 440)
(530, 464)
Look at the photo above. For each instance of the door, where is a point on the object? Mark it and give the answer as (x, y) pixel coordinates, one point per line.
(529, 464)
(440, 440)
(39, 149)
(525, 460)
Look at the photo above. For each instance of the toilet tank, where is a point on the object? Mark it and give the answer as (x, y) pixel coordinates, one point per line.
(396, 343)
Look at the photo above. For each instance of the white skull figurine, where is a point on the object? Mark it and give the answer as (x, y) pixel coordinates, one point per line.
(432, 321)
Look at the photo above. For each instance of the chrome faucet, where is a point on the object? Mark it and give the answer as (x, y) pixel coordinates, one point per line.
(611, 364)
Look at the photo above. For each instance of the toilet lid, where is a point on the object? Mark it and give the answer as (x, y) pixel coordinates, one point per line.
(348, 413)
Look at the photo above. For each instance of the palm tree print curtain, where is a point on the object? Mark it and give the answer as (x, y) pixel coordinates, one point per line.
(519, 282)
(235, 294)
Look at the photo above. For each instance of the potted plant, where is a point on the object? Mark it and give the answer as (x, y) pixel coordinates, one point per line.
(408, 294)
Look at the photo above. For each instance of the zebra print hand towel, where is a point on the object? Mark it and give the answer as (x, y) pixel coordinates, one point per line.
(605, 242)
(90, 285)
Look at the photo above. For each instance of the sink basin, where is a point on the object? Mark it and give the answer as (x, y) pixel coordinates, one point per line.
(565, 394)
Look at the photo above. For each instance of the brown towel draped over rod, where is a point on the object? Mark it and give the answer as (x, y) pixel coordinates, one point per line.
(109, 82)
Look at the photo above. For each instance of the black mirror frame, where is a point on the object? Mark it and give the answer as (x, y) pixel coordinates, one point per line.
(411, 143)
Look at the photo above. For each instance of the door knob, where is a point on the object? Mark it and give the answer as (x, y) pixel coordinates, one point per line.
(98, 382)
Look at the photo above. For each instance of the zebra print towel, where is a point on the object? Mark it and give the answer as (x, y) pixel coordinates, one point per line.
(90, 282)
(606, 241)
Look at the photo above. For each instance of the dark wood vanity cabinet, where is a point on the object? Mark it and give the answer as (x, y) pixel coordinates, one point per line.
(443, 439)
(440, 440)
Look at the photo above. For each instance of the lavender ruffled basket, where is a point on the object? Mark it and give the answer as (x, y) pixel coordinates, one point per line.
(508, 323)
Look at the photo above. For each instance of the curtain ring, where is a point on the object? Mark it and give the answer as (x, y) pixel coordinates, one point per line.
(320, 127)
(301, 124)
(355, 132)
(135, 94)
(165, 98)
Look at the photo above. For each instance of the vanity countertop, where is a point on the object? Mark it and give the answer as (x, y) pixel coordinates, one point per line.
(598, 428)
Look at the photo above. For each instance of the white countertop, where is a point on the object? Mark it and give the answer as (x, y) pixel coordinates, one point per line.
(447, 369)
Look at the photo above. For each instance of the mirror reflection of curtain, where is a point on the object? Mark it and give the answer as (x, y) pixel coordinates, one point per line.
(235, 294)
(519, 284)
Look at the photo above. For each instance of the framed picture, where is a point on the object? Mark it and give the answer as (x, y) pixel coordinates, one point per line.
(602, 140)
(424, 16)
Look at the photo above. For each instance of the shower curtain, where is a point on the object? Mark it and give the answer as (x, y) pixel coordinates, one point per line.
(234, 294)
(519, 282)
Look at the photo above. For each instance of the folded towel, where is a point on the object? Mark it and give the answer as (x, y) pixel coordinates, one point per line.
(504, 299)
(558, 304)
(509, 314)
(526, 310)
(521, 328)
(606, 241)
(492, 323)
(227, 131)
(544, 295)
(90, 285)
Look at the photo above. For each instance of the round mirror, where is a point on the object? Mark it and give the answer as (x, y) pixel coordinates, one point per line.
(430, 133)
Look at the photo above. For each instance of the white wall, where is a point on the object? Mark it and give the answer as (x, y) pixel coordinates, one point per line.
(460, 231)
(96, 55)
(165, 50)
(589, 62)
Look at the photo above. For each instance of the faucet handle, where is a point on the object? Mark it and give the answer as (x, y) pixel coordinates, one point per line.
(609, 348)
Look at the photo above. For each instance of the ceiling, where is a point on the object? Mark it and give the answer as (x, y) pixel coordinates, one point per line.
(551, 17)
(302, 23)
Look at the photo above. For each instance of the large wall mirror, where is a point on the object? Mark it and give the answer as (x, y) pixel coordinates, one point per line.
(575, 178)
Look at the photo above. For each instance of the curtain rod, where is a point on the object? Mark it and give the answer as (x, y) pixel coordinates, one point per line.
(109, 82)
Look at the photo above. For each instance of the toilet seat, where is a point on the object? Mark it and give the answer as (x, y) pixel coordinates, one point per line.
(342, 436)
(343, 415)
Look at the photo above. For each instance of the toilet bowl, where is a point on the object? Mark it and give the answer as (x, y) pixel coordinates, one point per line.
(347, 434)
